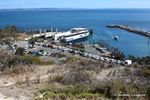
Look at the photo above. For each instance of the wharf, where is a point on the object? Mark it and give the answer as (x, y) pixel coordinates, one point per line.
(130, 29)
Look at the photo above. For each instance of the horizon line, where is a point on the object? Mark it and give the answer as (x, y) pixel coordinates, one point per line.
(66, 8)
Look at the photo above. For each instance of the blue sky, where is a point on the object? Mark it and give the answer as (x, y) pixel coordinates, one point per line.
(74, 4)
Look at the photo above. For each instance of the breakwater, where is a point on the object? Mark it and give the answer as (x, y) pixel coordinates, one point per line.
(130, 29)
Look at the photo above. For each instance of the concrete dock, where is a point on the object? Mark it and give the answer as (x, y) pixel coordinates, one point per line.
(130, 29)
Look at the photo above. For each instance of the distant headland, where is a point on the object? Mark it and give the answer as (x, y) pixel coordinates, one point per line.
(38, 9)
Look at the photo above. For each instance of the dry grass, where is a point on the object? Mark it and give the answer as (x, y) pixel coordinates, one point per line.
(80, 78)
(22, 36)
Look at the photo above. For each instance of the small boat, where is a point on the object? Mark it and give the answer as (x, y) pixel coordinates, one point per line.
(116, 38)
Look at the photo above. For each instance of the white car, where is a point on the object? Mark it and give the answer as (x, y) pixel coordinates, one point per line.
(97, 57)
(44, 54)
(76, 52)
(69, 49)
(65, 49)
(30, 46)
(118, 62)
(48, 54)
(86, 54)
(54, 46)
(106, 59)
(101, 58)
(113, 60)
(127, 62)
(90, 55)
(40, 53)
(26, 47)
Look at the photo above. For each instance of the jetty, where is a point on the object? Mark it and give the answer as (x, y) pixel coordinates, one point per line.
(130, 29)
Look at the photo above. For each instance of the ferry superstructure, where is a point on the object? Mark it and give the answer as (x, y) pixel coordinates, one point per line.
(73, 34)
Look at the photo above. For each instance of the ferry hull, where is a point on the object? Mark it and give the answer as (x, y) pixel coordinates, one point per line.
(80, 40)
(77, 40)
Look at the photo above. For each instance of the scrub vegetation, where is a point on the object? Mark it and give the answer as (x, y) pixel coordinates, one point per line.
(78, 78)
(83, 79)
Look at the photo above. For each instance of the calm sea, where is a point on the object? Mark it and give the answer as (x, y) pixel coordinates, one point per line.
(129, 43)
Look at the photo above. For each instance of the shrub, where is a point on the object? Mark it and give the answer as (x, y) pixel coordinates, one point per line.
(127, 71)
(121, 87)
(86, 65)
(73, 59)
(36, 60)
(20, 51)
(19, 69)
(57, 78)
(32, 59)
(69, 91)
(146, 71)
(98, 90)
(118, 55)
(46, 62)
(11, 63)
(76, 77)
(135, 65)
(148, 92)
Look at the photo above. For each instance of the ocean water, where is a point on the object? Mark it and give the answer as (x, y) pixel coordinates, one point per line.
(129, 43)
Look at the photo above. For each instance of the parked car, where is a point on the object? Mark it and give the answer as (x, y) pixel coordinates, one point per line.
(44, 54)
(86, 54)
(127, 62)
(118, 62)
(26, 47)
(65, 49)
(106, 59)
(50, 46)
(48, 54)
(97, 57)
(53, 54)
(90, 55)
(101, 58)
(98, 49)
(72, 51)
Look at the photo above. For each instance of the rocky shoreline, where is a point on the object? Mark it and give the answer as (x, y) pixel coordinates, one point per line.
(130, 29)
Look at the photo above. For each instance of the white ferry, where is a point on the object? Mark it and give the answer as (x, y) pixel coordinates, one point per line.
(73, 34)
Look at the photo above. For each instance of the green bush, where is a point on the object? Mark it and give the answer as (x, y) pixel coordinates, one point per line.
(76, 77)
(148, 92)
(36, 60)
(46, 62)
(20, 51)
(146, 71)
(57, 78)
(31, 59)
(73, 59)
(119, 55)
(120, 87)
(127, 71)
(76, 91)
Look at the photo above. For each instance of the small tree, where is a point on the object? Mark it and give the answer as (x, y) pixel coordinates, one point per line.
(10, 31)
(118, 55)
(148, 92)
(20, 51)
(32, 41)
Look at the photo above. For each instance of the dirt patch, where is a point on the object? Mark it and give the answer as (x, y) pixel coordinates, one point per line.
(16, 87)
(22, 36)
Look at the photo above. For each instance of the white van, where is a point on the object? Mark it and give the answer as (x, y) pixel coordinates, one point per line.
(127, 62)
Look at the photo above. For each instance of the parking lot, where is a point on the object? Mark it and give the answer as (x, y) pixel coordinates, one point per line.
(52, 51)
